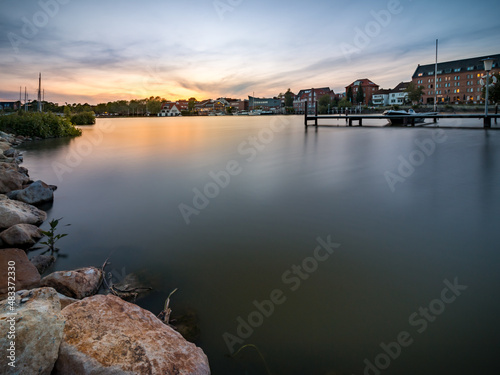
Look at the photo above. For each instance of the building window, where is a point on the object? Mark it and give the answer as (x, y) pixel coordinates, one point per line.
(470, 68)
(420, 74)
(457, 69)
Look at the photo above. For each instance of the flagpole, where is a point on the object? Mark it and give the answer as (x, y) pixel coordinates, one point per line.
(435, 78)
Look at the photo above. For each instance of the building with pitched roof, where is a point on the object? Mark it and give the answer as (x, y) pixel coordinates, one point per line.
(395, 96)
(458, 81)
(311, 96)
(368, 87)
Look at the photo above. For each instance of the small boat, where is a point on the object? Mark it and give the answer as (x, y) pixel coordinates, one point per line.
(405, 117)
(255, 112)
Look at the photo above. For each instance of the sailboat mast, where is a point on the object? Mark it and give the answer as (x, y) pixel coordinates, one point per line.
(39, 92)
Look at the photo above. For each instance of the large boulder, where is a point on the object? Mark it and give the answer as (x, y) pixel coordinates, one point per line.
(106, 335)
(15, 212)
(21, 235)
(37, 193)
(12, 177)
(38, 325)
(26, 274)
(79, 283)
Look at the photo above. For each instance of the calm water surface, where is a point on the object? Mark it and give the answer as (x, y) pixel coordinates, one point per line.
(399, 242)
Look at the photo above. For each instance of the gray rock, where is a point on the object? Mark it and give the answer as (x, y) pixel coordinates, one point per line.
(11, 153)
(78, 283)
(27, 275)
(37, 193)
(65, 300)
(22, 236)
(39, 327)
(106, 335)
(42, 262)
(15, 212)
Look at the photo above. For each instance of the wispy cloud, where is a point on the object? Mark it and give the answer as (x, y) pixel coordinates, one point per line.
(97, 50)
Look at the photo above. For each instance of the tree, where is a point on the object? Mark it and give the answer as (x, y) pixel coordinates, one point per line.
(191, 104)
(288, 98)
(154, 104)
(324, 103)
(360, 95)
(349, 96)
(345, 103)
(494, 90)
(414, 92)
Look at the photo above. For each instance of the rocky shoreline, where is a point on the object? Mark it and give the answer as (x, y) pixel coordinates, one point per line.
(58, 324)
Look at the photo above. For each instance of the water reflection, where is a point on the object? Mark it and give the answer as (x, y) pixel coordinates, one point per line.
(397, 247)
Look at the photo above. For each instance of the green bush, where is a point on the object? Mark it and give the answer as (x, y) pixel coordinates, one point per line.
(43, 125)
(83, 118)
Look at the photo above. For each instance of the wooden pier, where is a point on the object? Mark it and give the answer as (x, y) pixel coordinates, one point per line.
(410, 120)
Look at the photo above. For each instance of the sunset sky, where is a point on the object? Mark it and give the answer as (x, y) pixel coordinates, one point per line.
(98, 51)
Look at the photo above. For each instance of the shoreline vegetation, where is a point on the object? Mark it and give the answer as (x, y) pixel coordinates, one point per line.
(40, 125)
(72, 321)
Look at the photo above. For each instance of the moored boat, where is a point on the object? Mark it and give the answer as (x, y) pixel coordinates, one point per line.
(406, 117)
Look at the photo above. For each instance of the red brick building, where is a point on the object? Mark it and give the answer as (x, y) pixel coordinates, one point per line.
(368, 87)
(458, 81)
(311, 96)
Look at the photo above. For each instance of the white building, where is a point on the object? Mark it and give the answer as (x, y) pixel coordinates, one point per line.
(396, 96)
(168, 110)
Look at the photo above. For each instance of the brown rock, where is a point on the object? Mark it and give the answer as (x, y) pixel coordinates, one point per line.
(11, 178)
(26, 275)
(106, 335)
(14, 212)
(78, 284)
(4, 146)
(21, 235)
(38, 331)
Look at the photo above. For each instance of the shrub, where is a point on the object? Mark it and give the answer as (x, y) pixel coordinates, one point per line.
(43, 125)
(83, 118)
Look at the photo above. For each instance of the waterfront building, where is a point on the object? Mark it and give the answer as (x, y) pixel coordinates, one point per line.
(169, 109)
(238, 105)
(4, 105)
(368, 87)
(311, 96)
(266, 104)
(458, 81)
(395, 96)
(204, 107)
(381, 97)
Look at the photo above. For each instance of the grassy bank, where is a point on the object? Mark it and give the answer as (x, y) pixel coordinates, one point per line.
(43, 125)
